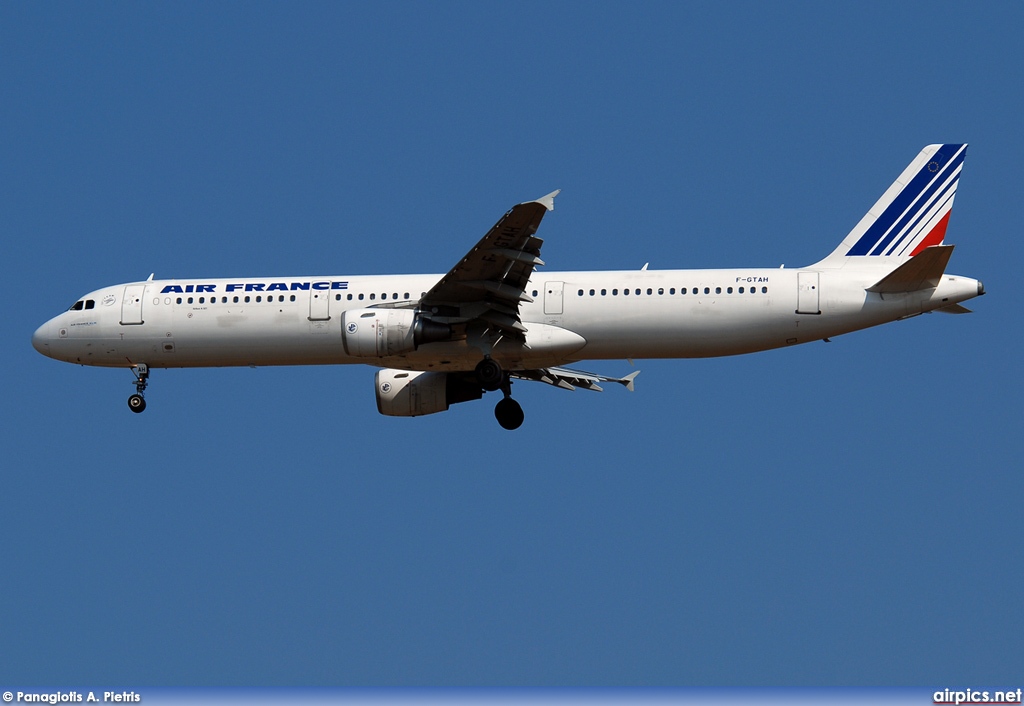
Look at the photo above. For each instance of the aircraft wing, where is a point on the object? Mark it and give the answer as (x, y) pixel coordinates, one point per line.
(489, 283)
(571, 379)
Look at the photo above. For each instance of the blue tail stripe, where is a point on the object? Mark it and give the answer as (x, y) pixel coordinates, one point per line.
(905, 198)
(920, 203)
(914, 230)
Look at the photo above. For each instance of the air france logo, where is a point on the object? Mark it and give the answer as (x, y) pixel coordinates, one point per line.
(385, 388)
(252, 287)
(352, 327)
(109, 299)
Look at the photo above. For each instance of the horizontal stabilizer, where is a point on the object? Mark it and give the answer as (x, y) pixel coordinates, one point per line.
(922, 271)
(955, 309)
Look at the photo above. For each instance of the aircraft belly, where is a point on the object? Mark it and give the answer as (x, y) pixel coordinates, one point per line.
(678, 329)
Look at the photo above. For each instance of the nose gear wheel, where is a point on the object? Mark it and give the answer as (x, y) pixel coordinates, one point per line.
(137, 402)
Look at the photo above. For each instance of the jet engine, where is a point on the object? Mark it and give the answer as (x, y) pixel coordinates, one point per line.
(403, 393)
(377, 333)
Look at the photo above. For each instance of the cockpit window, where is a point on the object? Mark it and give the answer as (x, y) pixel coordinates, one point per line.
(77, 306)
(90, 303)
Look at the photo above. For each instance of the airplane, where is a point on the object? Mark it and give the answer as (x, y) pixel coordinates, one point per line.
(494, 318)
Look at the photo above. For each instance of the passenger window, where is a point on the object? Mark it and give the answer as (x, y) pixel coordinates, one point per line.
(246, 298)
(603, 292)
(729, 290)
(650, 291)
(349, 297)
(764, 290)
(694, 290)
(406, 295)
(718, 290)
(234, 300)
(591, 292)
(580, 293)
(661, 290)
(191, 300)
(360, 297)
(707, 290)
(373, 296)
(259, 298)
(178, 300)
(741, 290)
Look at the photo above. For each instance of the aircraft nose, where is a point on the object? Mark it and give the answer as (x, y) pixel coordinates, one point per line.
(41, 339)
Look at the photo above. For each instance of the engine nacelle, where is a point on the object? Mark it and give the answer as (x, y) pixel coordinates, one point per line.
(377, 333)
(402, 393)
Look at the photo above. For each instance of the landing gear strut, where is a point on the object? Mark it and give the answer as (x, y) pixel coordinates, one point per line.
(137, 402)
(508, 412)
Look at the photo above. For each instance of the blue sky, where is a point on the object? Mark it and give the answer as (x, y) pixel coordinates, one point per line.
(840, 514)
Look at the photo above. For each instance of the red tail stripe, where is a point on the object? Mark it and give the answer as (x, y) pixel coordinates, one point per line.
(935, 237)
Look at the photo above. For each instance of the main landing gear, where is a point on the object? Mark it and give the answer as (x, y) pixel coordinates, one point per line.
(509, 414)
(137, 402)
(491, 377)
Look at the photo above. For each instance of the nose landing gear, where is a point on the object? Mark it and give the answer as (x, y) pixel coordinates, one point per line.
(137, 402)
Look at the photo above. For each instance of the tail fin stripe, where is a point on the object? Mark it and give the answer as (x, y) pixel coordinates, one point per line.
(936, 236)
(927, 215)
(910, 194)
(922, 203)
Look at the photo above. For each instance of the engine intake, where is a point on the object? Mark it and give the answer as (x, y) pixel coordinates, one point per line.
(402, 393)
(378, 333)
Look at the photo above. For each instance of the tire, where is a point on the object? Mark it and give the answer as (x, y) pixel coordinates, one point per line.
(489, 374)
(137, 403)
(509, 414)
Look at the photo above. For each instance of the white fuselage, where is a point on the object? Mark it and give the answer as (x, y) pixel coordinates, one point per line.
(573, 316)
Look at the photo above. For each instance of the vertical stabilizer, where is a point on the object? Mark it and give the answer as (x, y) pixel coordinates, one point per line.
(910, 216)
